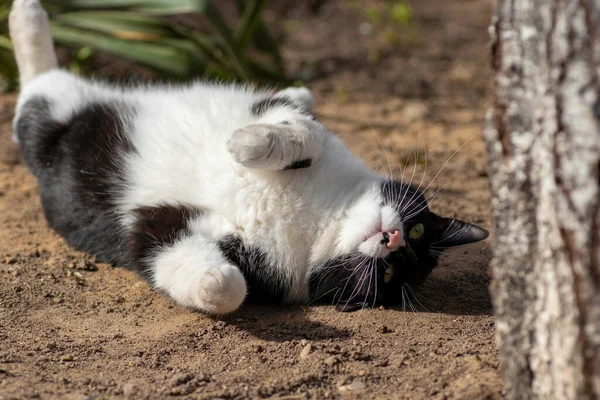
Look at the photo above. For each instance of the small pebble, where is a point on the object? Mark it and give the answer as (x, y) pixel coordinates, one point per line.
(352, 387)
(385, 329)
(306, 351)
(129, 389)
(331, 361)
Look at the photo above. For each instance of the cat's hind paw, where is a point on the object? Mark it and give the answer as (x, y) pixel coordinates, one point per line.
(277, 147)
(299, 95)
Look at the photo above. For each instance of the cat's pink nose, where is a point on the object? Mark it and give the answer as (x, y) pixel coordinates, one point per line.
(395, 240)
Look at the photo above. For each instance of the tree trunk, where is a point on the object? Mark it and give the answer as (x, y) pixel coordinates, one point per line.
(543, 139)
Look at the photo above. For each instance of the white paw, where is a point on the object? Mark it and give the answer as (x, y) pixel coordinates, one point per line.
(220, 290)
(301, 96)
(31, 38)
(253, 145)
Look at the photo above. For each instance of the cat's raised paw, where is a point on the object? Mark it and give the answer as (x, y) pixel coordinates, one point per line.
(299, 95)
(254, 145)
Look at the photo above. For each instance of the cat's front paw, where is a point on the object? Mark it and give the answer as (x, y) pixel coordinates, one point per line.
(215, 289)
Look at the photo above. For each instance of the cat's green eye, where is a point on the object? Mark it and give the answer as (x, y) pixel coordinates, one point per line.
(416, 231)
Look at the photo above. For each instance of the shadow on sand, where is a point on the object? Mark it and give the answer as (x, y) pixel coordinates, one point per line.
(458, 286)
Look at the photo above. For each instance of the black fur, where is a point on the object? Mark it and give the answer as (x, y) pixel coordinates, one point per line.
(155, 228)
(356, 281)
(263, 283)
(77, 166)
(38, 134)
(341, 283)
(260, 107)
(307, 162)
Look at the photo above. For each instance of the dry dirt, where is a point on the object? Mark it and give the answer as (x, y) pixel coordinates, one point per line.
(73, 328)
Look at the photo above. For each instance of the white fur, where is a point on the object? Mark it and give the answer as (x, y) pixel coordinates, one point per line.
(276, 146)
(194, 272)
(33, 46)
(300, 95)
(193, 145)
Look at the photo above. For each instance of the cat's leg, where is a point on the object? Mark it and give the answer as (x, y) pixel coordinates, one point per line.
(194, 272)
(32, 40)
(286, 134)
(34, 52)
(290, 144)
(177, 250)
(45, 105)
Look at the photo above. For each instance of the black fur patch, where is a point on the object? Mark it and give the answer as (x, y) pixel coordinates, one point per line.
(38, 134)
(156, 227)
(339, 282)
(260, 107)
(77, 164)
(307, 162)
(264, 285)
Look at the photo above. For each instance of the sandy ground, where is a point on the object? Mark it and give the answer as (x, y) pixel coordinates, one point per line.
(73, 328)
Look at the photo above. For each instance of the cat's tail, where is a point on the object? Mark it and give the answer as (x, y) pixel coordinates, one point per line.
(32, 40)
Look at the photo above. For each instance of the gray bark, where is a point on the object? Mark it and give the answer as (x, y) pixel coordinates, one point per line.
(543, 139)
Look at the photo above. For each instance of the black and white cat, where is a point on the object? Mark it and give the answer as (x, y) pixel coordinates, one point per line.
(217, 194)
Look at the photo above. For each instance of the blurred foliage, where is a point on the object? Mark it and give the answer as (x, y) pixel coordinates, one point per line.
(149, 33)
(8, 67)
(390, 20)
(397, 12)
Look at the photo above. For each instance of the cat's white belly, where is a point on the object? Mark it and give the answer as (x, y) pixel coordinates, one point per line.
(192, 167)
(182, 158)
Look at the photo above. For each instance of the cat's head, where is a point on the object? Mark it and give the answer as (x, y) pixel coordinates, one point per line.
(390, 239)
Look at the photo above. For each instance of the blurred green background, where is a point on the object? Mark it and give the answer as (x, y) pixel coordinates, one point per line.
(174, 39)
(153, 34)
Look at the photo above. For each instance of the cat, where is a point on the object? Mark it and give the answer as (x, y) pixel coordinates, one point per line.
(217, 194)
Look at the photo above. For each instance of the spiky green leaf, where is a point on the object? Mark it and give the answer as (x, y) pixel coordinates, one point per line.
(169, 58)
(8, 69)
(162, 7)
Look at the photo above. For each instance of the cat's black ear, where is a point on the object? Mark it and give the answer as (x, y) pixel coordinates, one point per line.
(450, 232)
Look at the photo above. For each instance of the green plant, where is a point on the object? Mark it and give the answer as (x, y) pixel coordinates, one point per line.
(8, 67)
(391, 22)
(148, 33)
